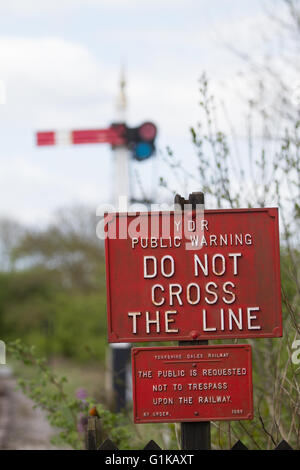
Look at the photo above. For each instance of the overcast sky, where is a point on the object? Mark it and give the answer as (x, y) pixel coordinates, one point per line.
(60, 62)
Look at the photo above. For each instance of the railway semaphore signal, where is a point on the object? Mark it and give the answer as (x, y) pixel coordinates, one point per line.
(140, 141)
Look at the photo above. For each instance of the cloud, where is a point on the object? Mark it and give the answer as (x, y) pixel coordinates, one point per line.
(53, 83)
(50, 77)
(33, 188)
(29, 7)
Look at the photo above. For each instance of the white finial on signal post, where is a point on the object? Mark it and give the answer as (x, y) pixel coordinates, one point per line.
(122, 99)
(122, 155)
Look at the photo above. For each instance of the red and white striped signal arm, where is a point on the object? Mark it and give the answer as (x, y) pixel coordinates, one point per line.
(114, 135)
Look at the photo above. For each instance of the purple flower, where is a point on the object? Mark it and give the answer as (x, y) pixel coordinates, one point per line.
(81, 394)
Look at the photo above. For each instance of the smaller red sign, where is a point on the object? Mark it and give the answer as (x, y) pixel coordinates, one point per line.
(192, 383)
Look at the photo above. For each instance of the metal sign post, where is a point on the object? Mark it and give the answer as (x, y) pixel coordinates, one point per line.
(194, 436)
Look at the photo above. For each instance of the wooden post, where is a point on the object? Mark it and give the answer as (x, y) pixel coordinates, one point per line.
(93, 436)
(194, 436)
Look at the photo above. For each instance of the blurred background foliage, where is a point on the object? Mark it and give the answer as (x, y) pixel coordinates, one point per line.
(52, 286)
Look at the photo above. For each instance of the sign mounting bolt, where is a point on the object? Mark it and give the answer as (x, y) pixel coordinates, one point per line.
(194, 334)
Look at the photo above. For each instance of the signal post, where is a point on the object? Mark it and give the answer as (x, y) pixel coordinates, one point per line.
(127, 143)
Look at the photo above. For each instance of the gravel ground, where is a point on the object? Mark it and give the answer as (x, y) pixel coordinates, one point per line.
(21, 426)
